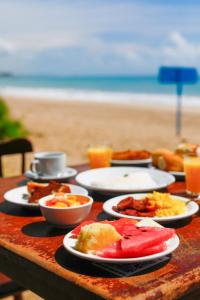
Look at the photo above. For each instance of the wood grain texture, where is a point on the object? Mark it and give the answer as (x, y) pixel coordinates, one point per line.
(34, 248)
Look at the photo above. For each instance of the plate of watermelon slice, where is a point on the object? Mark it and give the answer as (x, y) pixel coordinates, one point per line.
(140, 241)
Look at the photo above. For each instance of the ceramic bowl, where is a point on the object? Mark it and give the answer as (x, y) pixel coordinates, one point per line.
(66, 215)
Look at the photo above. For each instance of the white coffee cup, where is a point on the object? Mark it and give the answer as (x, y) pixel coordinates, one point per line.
(49, 163)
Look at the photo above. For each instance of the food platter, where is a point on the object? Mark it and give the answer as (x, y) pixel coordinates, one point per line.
(107, 177)
(19, 195)
(132, 162)
(192, 208)
(130, 157)
(69, 244)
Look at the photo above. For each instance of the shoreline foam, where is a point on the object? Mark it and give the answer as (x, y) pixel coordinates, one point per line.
(56, 94)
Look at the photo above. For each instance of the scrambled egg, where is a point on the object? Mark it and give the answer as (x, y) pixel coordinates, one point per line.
(165, 205)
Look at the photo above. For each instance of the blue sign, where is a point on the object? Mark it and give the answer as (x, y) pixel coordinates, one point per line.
(175, 75)
(178, 76)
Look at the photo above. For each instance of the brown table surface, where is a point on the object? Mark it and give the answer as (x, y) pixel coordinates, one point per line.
(31, 252)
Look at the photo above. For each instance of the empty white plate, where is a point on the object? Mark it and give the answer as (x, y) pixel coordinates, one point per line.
(106, 177)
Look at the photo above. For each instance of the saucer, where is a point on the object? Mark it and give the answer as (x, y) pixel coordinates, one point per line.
(66, 174)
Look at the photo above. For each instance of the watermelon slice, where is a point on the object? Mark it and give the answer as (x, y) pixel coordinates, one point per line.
(138, 242)
(123, 223)
(118, 224)
(115, 251)
(134, 244)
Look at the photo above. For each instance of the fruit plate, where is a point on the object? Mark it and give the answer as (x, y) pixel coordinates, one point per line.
(69, 244)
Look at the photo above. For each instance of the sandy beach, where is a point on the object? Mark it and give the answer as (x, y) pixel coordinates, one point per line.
(71, 126)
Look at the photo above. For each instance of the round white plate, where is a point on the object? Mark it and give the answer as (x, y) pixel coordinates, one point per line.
(178, 174)
(19, 195)
(88, 178)
(68, 173)
(192, 208)
(69, 244)
(131, 162)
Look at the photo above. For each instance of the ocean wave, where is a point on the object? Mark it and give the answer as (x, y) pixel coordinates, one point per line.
(56, 94)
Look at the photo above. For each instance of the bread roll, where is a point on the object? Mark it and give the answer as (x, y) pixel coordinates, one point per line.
(167, 160)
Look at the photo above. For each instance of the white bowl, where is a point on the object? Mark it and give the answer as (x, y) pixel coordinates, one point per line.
(65, 216)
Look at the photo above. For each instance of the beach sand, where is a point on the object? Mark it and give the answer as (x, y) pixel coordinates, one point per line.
(72, 126)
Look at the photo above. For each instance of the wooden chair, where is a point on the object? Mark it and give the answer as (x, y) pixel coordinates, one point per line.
(8, 287)
(17, 146)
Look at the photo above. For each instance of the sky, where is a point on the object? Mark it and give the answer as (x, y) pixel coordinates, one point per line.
(98, 37)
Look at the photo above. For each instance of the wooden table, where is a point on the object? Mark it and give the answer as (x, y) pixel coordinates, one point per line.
(31, 252)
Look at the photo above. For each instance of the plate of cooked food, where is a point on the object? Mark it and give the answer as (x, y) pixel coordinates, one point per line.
(121, 241)
(122, 180)
(131, 157)
(172, 161)
(168, 161)
(29, 195)
(161, 207)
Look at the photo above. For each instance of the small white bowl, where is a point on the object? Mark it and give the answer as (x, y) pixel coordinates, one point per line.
(65, 216)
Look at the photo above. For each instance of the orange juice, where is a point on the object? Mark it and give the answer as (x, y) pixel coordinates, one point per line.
(99, 156)
(192, 173)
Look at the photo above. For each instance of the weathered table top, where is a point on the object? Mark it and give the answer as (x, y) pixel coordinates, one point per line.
(31, 252)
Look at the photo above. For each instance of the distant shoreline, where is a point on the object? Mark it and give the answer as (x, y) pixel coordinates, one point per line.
(77, 95)
(119, 88)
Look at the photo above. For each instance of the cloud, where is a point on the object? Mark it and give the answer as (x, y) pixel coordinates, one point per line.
(181, 51)
(93, 36)
(6, 48)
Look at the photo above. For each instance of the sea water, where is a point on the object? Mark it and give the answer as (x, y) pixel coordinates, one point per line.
(118, 89)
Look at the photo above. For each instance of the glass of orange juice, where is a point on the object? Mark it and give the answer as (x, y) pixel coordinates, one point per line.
(192, 175)
(99, 155)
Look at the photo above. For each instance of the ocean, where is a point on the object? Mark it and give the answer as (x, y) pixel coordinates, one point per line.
(121, 89)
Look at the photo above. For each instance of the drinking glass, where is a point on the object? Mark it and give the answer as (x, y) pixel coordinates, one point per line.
(192, 175)
(99, 155)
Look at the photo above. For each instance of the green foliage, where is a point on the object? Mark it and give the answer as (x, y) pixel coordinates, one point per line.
(9, 128)
(4, 112)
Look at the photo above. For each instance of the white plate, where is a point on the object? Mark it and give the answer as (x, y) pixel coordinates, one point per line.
(131, 162)
(86, 179)
(192, 208)
(178, 174)
(19, 196)
(70, 242)
(68, 173)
